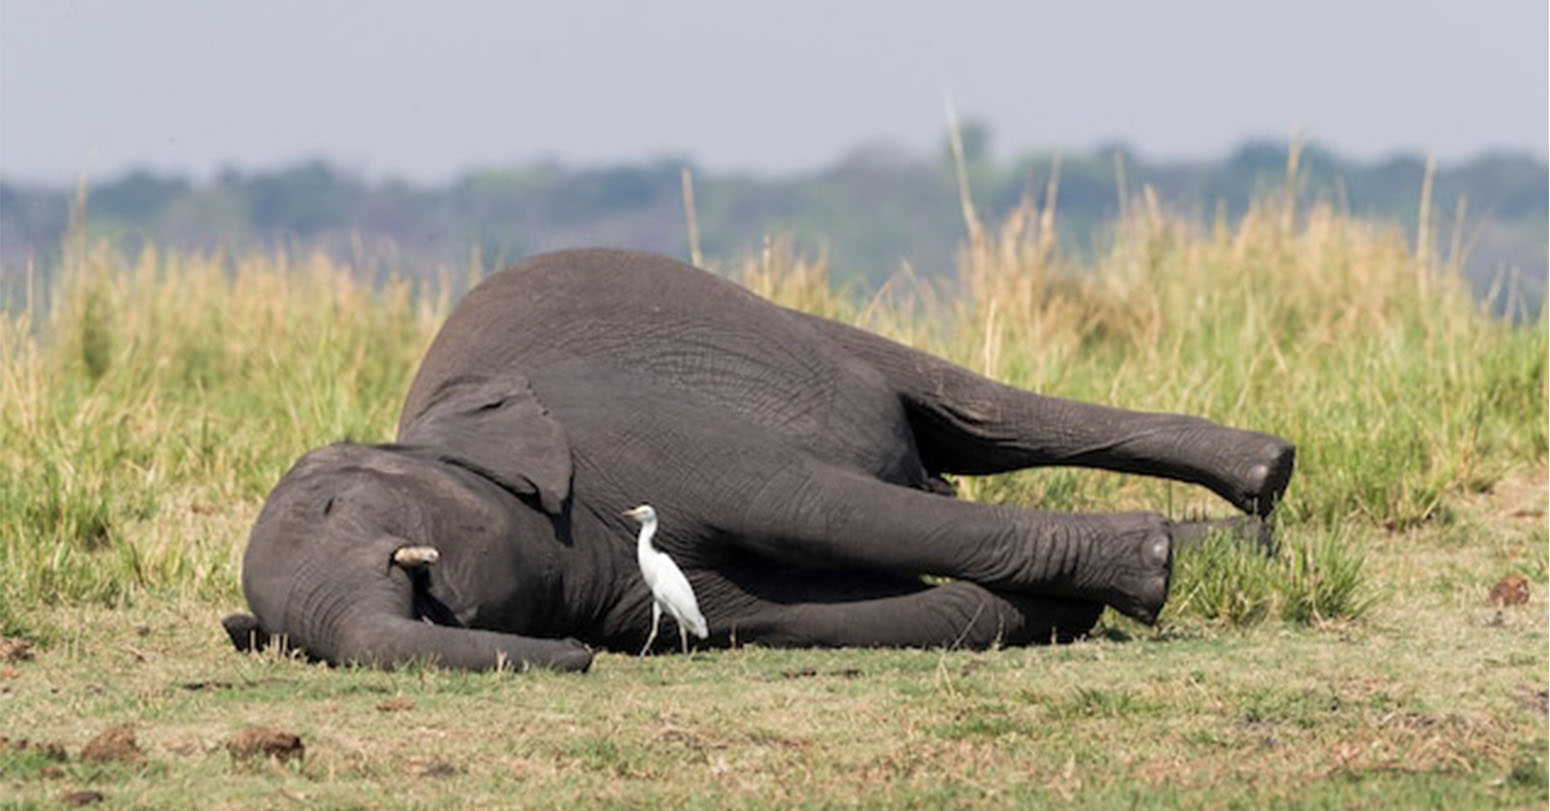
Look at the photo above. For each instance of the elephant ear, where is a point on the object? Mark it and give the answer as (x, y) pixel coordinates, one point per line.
(499, 429)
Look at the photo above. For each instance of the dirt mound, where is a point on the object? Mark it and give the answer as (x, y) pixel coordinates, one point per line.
(263, 742)
(114, 743)
(1510, 590)
(14, 650)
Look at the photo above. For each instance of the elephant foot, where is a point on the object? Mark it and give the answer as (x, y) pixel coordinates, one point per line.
(1050, 620)
(1140, 562)
(939, 485)
(1266, 466)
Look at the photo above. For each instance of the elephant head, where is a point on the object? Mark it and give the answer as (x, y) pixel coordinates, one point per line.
(481, 475)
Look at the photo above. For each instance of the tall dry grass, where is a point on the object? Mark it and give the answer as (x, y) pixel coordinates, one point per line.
(148, 403)
(1397, 386)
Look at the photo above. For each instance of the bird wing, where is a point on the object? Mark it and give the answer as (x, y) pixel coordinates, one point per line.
(673, 591)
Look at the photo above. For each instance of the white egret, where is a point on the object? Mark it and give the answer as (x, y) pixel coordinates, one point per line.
(670, 590)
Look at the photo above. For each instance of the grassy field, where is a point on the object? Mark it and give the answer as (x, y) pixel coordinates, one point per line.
(147, 404)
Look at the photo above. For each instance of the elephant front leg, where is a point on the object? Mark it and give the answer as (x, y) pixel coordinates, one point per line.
(821, 517)
(952, 615)
(768, 603)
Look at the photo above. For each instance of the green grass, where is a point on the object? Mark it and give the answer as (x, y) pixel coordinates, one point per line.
(148, 403)
(1314, 575)
(1397, 710)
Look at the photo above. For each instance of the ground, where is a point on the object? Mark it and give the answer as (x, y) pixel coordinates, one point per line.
(1434, 698)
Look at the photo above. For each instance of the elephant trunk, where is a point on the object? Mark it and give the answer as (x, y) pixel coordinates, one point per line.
(385, 640)
(360, 609)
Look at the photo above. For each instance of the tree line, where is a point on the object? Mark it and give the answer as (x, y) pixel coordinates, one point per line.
(868, 211)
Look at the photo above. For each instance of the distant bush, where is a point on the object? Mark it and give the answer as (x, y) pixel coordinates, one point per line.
(868, 212)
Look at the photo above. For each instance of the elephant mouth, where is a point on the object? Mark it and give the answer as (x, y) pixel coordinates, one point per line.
(426, 606)
(417, 562)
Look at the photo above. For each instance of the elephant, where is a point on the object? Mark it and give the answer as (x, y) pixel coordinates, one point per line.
(798, 466)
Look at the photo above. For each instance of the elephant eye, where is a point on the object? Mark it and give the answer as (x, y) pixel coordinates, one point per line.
(328, 506)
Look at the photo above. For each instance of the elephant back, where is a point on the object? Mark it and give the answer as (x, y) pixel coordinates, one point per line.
(683, 328)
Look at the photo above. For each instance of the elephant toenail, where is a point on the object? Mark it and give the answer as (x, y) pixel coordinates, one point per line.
(1154, 552)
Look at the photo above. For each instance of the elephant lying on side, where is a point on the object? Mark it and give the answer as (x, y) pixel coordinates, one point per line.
(795, 463)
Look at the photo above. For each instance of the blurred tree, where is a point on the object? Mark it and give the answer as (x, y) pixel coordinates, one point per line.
(975, 137)
(868, 210)
(137, 196)
(301, 200)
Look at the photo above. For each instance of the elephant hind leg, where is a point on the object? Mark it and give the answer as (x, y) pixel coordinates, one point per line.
(967, 423)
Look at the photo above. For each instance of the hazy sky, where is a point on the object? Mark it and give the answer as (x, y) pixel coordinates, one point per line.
(423, 89)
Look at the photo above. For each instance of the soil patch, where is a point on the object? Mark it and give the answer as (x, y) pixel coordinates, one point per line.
(263, 742)
(52, 751)
(15, 650)
(114, 743)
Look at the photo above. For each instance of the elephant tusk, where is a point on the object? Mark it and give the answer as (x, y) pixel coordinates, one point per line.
(413, 557)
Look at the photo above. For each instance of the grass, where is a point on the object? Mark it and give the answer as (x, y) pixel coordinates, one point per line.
(147, 404)
(1378, 713)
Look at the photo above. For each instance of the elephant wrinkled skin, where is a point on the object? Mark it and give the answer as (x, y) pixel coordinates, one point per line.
(797, 466)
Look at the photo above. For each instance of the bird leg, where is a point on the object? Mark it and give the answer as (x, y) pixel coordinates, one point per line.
(656, 619)
(683, 638)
